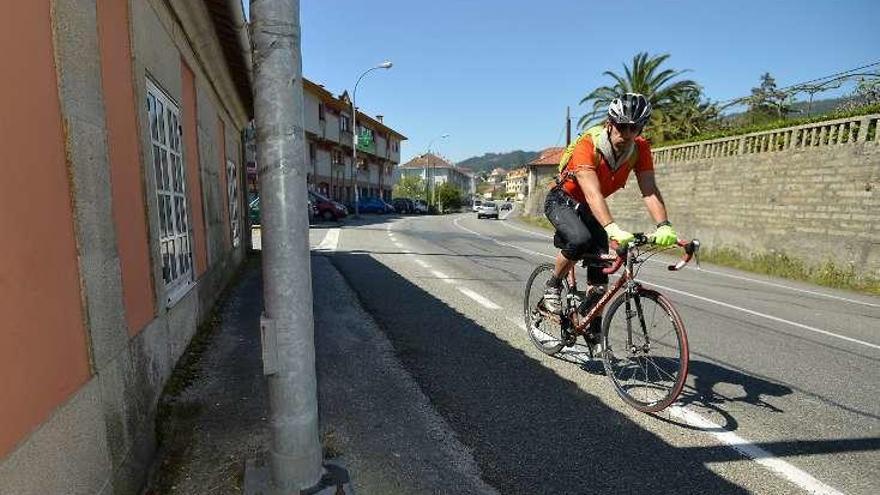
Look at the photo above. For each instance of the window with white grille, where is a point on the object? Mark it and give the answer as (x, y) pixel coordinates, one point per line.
(232, 195)
(171, 204)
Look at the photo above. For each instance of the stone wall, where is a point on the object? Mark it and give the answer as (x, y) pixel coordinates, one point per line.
(810, 191)
(814, 199)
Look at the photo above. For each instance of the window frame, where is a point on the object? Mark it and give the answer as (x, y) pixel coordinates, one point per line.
(168, 168)
(232, 196)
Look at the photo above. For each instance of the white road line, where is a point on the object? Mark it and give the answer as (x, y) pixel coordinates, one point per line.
(482, 301)
(757, 454)
(755, 313)
(330, 241)
(442, 276)
(728, 275)
(741, 445)
(422, 264)
(527, 231)
(528, 251)
(764, 315)
(781, 286)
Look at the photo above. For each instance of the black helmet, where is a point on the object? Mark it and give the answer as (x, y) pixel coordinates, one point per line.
(630, 108)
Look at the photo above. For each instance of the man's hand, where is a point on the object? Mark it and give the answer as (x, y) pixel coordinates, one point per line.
(615, 233)
(664, 236)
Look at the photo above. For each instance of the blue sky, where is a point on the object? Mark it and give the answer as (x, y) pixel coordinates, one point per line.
(497, 75)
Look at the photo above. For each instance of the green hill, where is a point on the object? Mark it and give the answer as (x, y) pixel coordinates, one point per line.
(490, 161)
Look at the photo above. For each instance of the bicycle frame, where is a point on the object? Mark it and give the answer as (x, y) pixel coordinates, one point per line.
(626, 279)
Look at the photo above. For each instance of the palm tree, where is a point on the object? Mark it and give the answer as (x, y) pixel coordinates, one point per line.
(683, 118)
(643, 76)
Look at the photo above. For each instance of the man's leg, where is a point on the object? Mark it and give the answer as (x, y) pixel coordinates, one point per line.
(562, 267)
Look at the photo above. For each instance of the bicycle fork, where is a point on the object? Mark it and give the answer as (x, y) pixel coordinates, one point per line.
(632, 298)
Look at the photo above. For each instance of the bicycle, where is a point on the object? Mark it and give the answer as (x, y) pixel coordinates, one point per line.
(641, 339)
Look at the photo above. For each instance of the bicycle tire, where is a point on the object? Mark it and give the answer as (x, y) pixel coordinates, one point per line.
(547, 338)
(671, 372)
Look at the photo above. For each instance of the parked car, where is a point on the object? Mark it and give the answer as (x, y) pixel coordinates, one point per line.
(389, 208)
(488, 209)
(477, 204)
(420, 207)
(403, 205)
(374, 205)
(255, 211)
(327, 208)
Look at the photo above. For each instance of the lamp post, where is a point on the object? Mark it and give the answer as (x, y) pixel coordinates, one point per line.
(434, 169)
(354, 136)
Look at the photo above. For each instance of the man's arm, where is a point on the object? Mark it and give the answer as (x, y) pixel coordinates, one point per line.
(651, 195)
(589, 184)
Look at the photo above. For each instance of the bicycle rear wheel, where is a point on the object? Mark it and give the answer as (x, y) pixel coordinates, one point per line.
(546, 331)
(645, 350)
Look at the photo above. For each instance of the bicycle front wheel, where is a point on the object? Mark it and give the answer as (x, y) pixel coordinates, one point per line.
(645, 350)
(547, 331)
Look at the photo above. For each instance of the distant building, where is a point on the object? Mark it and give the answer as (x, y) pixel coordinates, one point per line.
(435, 171)
(329, 136)
(516, 182)
(542, 170)
(497, 176)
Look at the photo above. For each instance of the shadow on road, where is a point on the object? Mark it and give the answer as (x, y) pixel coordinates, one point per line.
(530, 431)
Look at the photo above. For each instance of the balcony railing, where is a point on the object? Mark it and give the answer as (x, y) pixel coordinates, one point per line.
(860, 129)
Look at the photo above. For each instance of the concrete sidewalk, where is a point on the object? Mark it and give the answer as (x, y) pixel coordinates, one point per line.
(373, 417)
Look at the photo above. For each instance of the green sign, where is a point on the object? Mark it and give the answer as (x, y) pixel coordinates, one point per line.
(365, 141)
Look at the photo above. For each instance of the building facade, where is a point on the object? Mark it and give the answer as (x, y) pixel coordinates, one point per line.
(435, 171)
(516, 182)
(123, 222)
(329, 136)
(542, 170)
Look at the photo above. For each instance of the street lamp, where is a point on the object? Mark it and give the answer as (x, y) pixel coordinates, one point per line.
(433, 168)
(354, 136)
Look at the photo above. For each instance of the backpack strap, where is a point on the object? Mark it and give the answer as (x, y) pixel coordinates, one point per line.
(594, 133)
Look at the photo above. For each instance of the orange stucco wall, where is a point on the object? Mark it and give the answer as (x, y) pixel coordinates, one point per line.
(129, 210)
(43, 345)
(224, 193)
(193, 177)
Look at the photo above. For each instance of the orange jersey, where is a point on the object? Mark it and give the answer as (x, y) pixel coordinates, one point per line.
(584, 157)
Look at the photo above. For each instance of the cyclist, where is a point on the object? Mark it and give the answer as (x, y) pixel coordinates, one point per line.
(596, 165)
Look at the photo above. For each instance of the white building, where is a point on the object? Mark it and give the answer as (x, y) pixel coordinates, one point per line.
(436, 171)
(329, 137)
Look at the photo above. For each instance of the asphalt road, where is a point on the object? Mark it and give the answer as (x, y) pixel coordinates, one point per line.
(782, 395)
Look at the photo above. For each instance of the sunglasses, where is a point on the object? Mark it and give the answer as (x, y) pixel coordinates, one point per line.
(633, 128)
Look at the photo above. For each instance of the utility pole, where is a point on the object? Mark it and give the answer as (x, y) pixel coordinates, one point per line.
(287, 323)
(567, 126)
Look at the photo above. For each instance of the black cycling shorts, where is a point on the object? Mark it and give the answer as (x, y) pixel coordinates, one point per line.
(578, 233)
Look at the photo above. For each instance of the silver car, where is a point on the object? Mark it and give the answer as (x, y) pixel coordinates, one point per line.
(489, 209)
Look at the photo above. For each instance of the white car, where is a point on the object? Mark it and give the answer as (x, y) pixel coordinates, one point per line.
(476, 206)
(488, 209)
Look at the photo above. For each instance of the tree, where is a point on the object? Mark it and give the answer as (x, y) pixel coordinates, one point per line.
(410, 186)
(448, 196)
(766, 102)
(683, 118)
(643, 76)
(866, 94)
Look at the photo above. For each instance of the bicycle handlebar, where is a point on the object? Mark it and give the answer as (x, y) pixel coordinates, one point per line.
(641, 239)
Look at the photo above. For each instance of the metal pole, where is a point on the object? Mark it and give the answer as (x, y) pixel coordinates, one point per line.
(287, 323)
(354, 148)
(354, 137)
(567, 126)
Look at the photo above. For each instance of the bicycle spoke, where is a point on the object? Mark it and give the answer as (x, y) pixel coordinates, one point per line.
(653, 371)
(662, 371)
